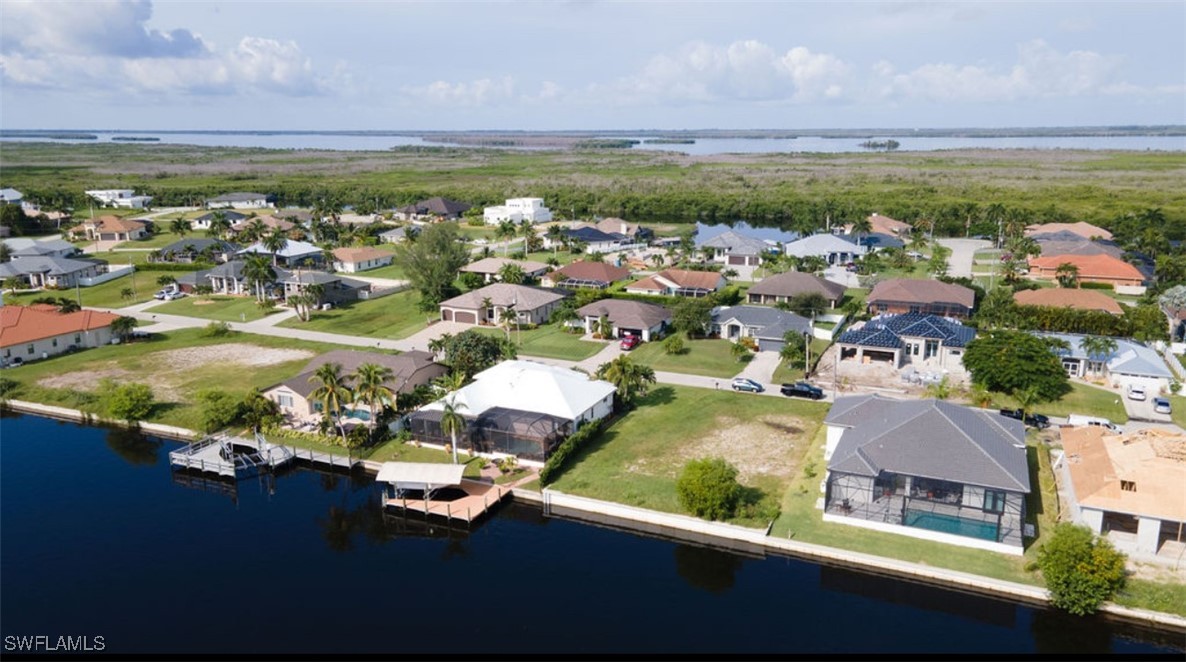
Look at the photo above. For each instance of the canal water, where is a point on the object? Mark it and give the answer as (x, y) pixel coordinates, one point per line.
(101, 539)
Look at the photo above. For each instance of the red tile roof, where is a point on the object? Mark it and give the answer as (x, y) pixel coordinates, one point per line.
(24, 324)
(1081, 228)
(1065, 297)
(1103, 267)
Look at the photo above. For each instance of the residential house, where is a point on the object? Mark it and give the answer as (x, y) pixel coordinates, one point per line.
(293, 253)
(394, 235)
(1084, 230)
(437, 208)
(270, 223)
(203, 222)
(767, 326)
(679, 282)
(486, 305)
(735, 249)
(40, 331)
(24, 247)
(633, 232)
(354, 260)
(1128, 487)
(227, 278)
(931, 297)
(597, 275)
(833, 249)
(184, 251)
(124, 197)
(927, 469)
(920, 339)
(113, 228)
(874, 241)
(335, 289)
(408, 370)
(241, 200)
(1064, 297)
(51, 271)
(34, 211)
(593, 240)
(1065, 242)
(518, 408)
(773, 236)
(1091, 269)
(628, 318)
(884, 225)
(489, 268)
(1132, 363)
(516, 210)
(781, 288)
(10, 196)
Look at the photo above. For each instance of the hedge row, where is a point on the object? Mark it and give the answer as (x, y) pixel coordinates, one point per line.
(569, 447)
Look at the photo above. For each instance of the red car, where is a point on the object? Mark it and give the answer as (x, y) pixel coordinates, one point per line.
(630, 342)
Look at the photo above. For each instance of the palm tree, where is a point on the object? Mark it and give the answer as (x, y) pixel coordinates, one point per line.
(332, 393)
(629, 378)
(658, 260)
(258, 272)
(452, 422)
(861, 227)
(254, 230)
(369, 379)
(505, 232)
(554, 235)
(1026, 399)
(219, 225)
(437, 345)
(181, 227)
(274, 242)
(512, 273)
(122, 327)
(450, 382)
(126, 293)
(1098, 350)
(1067, 275)
(507, 318)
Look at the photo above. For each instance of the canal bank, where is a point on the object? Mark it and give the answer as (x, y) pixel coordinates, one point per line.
(737, 539)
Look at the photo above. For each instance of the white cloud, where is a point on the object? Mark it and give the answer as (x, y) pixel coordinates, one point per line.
(484, 92)
(106, 47)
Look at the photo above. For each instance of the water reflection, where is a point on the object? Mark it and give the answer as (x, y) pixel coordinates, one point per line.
(922, 596)
(706, 568)
(133, 447)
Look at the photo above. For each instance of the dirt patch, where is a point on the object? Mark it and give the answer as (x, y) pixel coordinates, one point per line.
(242, 353)
(203, 302)
(88, 381)
(767, 445)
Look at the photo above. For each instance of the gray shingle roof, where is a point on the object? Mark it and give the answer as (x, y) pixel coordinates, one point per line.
(929, 439)
(794, 283)
(736, 243)
(626, 313)
(408, 369)
(199, 244)
(772, 323)
(232, 216)
(505, 294)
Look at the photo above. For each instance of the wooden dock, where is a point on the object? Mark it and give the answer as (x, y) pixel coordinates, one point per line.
(479, 498)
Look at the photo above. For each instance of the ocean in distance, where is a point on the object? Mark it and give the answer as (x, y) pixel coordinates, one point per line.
(701, 146)
(101, 539)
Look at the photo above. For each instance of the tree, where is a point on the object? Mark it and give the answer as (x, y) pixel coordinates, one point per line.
(165, 280)
(692, 316)
(512, 273)
(254, 230)
(1082, 571)
(555, 237)
(127, 293)
(5, 253)
(219, 408)
(181, 227)
(1098, 350)
(632, 380)
(793, 350)
(505, 232)
(433, 261)
(450, 382)
(259, 273)
(674, 344)
(998, 308)
(220, 225)
(370, 389)
(1170, 269)
(1173, 300)
(938, 262)
(13, 283)
(274, 242)
(132, 402)
(739, 351)
(708, 488)
(531, 239)
(471, 352)
(1146, 322)
(471, 280)
(1006, 361)
(1067, 275)
(331, 392)
(259, 412)
(808, 304)
(452, 422)
(604, 328)
(122, 327)
(861, 226)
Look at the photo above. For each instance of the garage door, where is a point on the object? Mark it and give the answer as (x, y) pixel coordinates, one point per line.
(465, 318)
(446, 315)
(770, 345)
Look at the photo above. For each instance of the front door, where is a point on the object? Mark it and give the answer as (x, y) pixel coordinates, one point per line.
(932, 348)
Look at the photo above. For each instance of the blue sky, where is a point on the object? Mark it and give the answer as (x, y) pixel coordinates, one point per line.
(589, 65)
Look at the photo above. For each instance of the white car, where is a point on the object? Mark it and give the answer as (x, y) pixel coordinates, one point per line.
(1136, 392)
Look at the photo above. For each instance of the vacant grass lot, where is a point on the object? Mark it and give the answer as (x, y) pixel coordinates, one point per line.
(709, 356)
(142, 282)
(215, 307)
(162, 238)
(637, 460)
(783, 373)
(395, 316)
(1083, 399)
(548, 341)
(176, 365)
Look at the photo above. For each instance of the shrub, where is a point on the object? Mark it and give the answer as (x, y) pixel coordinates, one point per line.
(568, 447)
(133, 402)
(674, 344)
(8, 386)
(216, 330)
(1081, 570)
(708, 488)
(1095, 286)
(219, 408)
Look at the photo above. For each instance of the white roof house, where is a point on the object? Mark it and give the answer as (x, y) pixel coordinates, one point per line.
(10, 196)
(533, 387)
(828, 246)
(121, 197)
(293, 250)
(518, 209)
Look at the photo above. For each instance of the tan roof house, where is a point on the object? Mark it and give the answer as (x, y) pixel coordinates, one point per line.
(634, 318)
(1085, 230)
(1065, 297)
(1092, 269)
(485, 305)
(909, 295)
(781, 288)
(679, 282)
(489, 268)
(353, 260)
(581, 273)
(114, 228)
(885, 225)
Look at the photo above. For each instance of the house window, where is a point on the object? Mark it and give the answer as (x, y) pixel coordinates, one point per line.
(1128, 485)
(77, 338)
(881, 307)
(284, 400)
(30, 349)
(316, 406)
(994, 501)
(55, 342)
(916, 309)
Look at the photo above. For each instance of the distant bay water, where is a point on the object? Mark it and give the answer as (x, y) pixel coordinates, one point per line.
(700, 146)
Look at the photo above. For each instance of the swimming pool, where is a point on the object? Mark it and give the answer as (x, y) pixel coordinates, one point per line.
(951, 524)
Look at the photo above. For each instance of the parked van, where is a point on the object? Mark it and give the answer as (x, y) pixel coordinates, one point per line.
(1077, 419)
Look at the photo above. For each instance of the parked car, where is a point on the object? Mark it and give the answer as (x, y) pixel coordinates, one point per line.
(746, 384)
(630, 342)
(802, 390)
(1136, 392)
(1161, 405)
(14, 362)
(168, 293)
(1039, 421)
(1078, 419)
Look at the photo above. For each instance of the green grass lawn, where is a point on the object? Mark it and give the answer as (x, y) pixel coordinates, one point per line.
(395, 316)
(638, 458)
(708, 356)
(161, 239)
(225, 308)
(548, 341)
(143, 282)
(1083, 399)
(174, 375)
(783, 374)
(1178, 410)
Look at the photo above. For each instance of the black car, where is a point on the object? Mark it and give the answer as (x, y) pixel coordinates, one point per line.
(802, 390)
(1039, 421)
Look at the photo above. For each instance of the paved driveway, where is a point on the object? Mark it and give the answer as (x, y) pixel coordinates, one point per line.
(1142, 410)
(963, 252)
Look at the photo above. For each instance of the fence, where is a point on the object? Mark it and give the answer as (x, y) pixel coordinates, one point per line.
(113, 272)
(376, 292)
